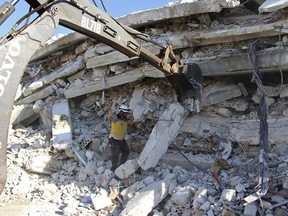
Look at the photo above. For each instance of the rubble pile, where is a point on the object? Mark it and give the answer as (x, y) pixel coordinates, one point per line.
(187, 158)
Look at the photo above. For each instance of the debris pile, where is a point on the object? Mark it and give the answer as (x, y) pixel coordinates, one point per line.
(185, 159)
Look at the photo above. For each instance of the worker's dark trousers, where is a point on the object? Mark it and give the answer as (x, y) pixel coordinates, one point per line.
(118, 147)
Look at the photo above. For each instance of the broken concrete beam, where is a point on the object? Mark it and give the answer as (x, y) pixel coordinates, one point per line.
(147, 198)
(127, 169)
(201, 38)
(163, 133)
(130, 76)
(43, 93)
(67, 70)
(175, 159)
(61, 131)
(219, 92)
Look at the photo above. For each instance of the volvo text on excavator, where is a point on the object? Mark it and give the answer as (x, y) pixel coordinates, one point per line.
(18, 46)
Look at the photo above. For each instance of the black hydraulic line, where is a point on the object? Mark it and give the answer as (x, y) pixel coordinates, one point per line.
(103, 5)
(30, 13)
(197, 166)
(262, 115)
(95, 3)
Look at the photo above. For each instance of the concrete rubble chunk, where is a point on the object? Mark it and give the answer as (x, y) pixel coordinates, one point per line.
(219, 92)
(127, 169)
(42, 164)
(147, 198)
(250, 209)
(228, 195)
(101, 200)
(200, 198)
(285, 183)
(130, 191)
(23, 114)
(163, 133)
(45, 111)
(183, 195)
(284, 92)
(90, 169)
(137, 104)
(61, 131)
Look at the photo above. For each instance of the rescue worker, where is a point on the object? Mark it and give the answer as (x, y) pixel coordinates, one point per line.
(119, 147)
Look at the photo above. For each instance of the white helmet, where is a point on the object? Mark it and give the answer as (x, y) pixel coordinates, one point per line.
(124, 108)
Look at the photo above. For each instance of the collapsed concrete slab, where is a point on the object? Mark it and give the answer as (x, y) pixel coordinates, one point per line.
(130, 76)
(163, 133)
(201, 38)
(175, 11)
(61, 131)
(248, 131)
(147, 198)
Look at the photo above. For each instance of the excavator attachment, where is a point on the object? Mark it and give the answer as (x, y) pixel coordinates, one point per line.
(18, 46)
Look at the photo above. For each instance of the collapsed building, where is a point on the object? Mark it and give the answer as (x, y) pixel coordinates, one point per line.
(190, 155)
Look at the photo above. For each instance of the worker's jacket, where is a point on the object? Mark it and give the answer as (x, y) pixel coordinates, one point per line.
(118, 127)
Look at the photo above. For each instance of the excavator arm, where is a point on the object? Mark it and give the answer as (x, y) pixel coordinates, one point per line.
(18, 47)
